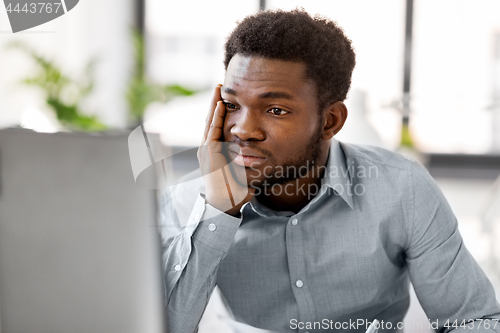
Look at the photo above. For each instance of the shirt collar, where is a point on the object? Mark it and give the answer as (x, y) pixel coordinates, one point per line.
(337, 175)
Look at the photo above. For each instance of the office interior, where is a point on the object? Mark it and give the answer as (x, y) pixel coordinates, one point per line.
(426, 84)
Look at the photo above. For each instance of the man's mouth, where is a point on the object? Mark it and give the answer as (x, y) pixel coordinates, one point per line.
(245, 156)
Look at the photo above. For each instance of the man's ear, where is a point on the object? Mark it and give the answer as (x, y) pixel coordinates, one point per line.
(335, 116)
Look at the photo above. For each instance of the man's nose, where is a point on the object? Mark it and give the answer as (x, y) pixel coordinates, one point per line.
(248, 126)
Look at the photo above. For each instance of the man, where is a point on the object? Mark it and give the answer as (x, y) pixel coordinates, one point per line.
(299, 231)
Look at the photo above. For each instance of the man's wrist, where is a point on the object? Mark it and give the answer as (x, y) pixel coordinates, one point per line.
(216, 229)
(234, 211)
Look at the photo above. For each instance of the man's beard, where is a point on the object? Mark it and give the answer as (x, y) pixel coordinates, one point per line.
(296, 168)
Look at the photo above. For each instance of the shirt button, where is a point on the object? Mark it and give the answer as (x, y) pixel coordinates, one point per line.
(295, 222)
(299, 283)
(177, 268)
(212, 227)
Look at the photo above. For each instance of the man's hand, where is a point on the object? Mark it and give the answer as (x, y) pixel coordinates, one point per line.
(223, 191)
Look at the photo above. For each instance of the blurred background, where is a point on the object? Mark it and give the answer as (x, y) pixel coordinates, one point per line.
(426, 83)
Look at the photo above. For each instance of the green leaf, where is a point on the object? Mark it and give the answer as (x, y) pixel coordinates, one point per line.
(50, 78)
(140, 92)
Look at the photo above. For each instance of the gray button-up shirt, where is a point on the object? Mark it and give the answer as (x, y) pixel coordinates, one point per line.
(345, 259)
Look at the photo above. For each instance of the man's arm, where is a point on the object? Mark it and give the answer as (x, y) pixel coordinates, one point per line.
(190, 259)
(451, 287)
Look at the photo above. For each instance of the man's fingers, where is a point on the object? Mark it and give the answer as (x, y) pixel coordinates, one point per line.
(213, 104)
(210, 157)
(216, 127)
(209, 153)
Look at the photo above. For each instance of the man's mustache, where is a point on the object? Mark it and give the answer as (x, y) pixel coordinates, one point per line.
(249, 144)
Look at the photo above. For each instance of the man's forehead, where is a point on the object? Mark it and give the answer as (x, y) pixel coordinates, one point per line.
(259, 68)
(259, 71)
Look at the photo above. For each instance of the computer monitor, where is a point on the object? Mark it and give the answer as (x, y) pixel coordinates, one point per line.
(79, 247)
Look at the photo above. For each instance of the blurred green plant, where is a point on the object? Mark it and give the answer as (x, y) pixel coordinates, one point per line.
(141, 92)
(406, 139)
(62, 93)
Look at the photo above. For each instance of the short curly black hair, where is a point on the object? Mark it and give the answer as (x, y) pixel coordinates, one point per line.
(296, 36)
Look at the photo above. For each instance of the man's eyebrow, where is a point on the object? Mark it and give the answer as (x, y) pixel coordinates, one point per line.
(276, 94)
(229, 91)
(270, 94)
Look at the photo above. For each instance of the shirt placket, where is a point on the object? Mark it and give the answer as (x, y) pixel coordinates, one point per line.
(297, 269)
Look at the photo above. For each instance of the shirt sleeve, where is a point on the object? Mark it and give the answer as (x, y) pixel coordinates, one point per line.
(451, 287)
(191, 257)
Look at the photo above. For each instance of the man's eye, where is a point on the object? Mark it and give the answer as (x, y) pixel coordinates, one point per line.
(230, 106)
(278, 112)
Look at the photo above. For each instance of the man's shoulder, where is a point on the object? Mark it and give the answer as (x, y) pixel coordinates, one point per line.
(372, 155)
(393, 165)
